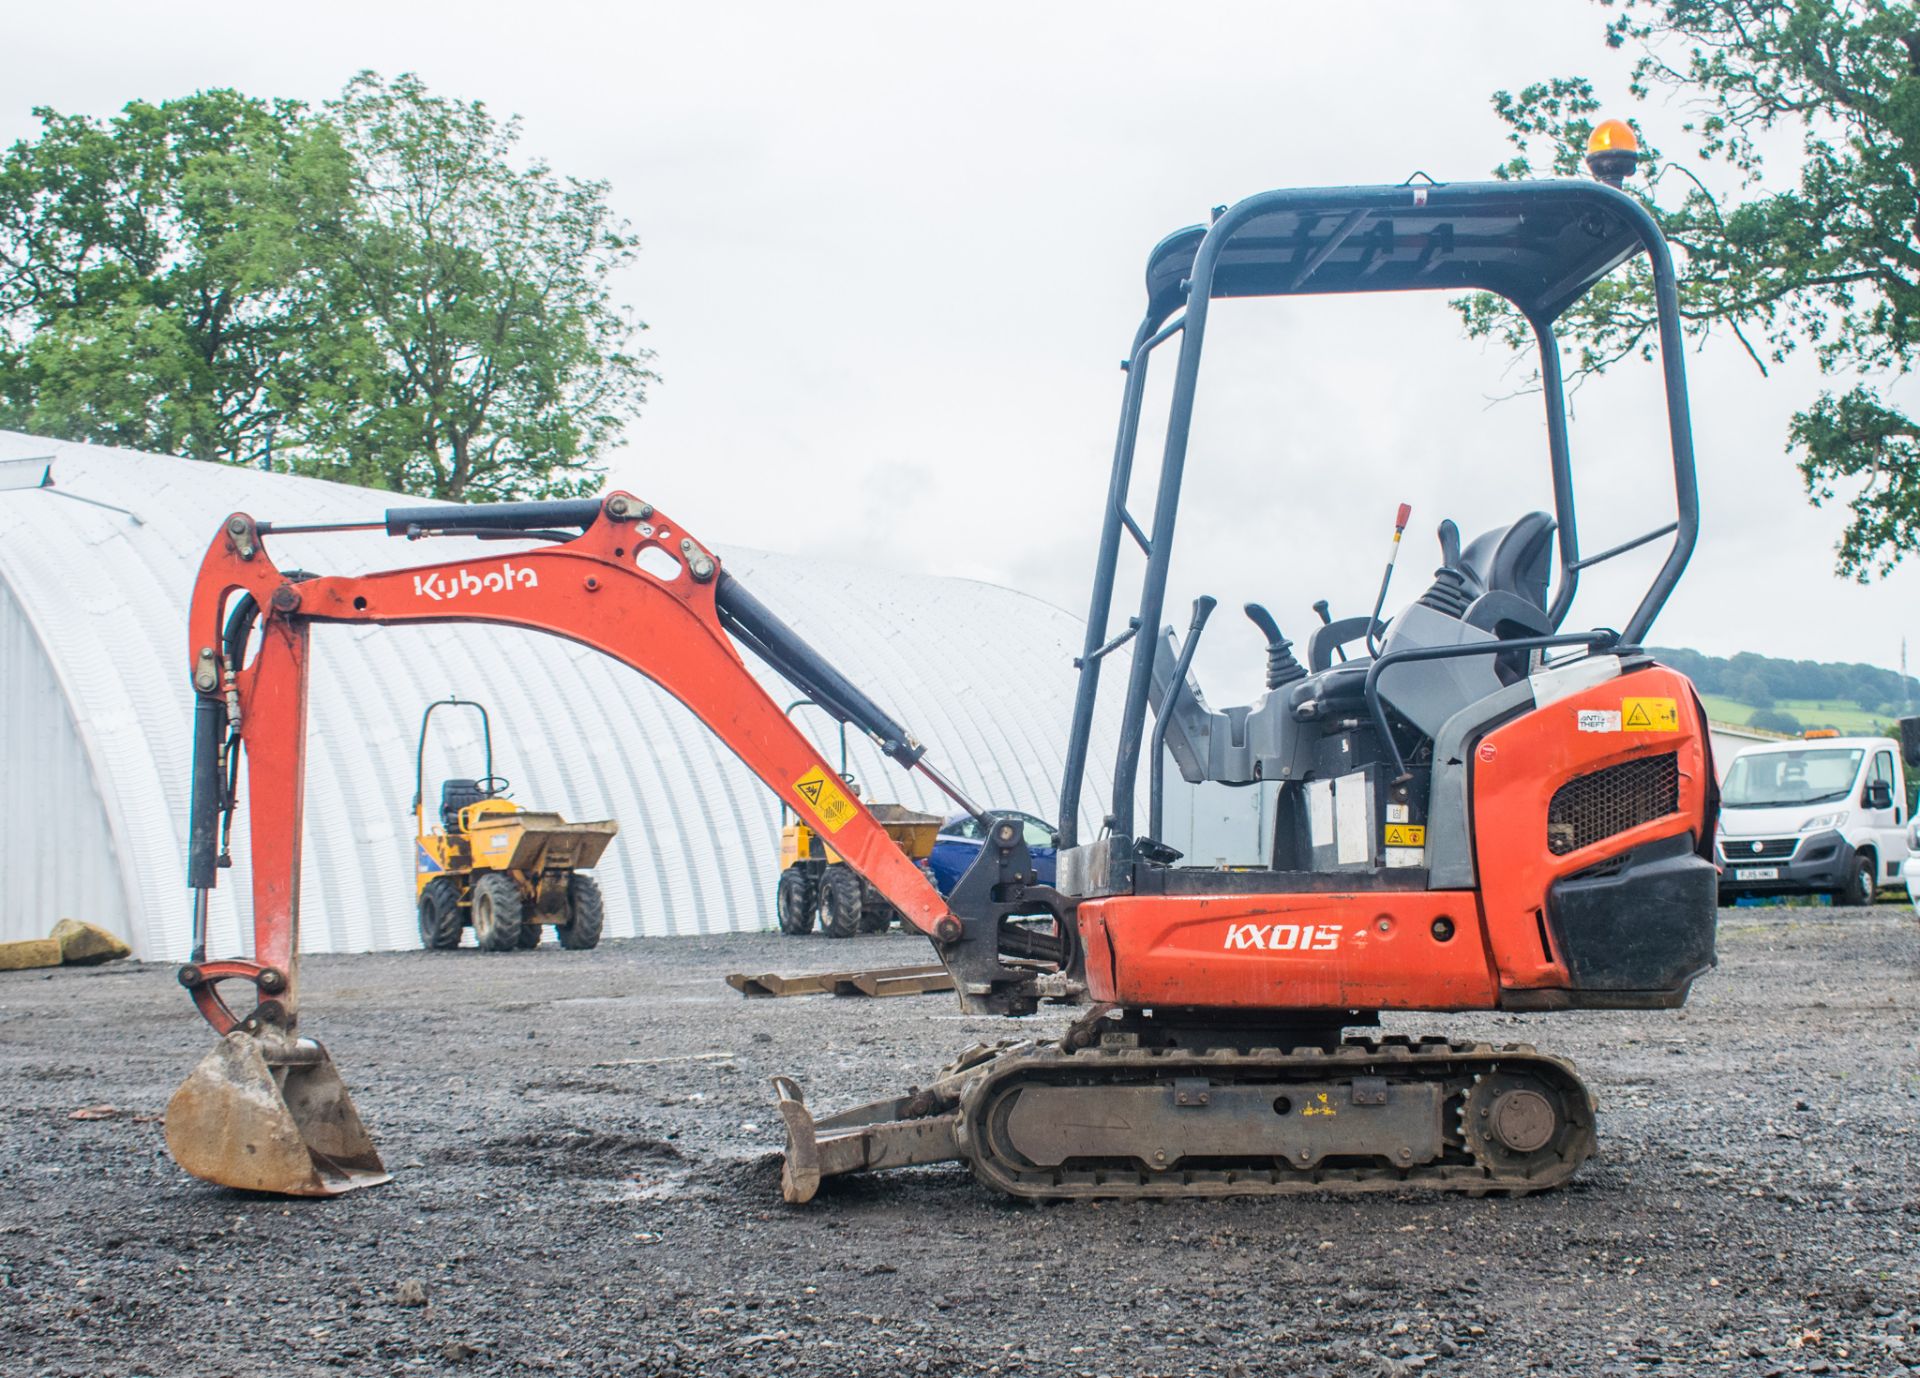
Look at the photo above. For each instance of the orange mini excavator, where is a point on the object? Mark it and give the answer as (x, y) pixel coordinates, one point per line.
(1475, 808)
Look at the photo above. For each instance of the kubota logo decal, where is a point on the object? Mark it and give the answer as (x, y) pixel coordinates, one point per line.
(1284, 937)
(465, 583)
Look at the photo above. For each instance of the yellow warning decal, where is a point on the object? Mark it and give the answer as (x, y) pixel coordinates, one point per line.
(1406, 835)
(823, 795)
(1649, 715)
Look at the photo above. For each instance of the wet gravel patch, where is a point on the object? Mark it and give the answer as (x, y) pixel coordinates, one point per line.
(585, 1182)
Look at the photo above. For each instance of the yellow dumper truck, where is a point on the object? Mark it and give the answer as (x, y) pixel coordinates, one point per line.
(501, 868)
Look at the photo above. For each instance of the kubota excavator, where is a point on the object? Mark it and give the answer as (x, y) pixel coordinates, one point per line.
(1475, 809)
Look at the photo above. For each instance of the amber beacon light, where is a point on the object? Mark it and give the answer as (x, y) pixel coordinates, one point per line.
(1612, 151)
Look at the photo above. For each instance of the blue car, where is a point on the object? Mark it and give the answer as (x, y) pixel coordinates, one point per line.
(959, 844)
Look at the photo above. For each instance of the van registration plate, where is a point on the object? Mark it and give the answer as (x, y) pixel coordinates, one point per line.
(1757, 873)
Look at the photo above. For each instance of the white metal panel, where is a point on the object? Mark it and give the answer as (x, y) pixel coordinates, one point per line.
(982, 674)
(1212, 824)
(56, 852)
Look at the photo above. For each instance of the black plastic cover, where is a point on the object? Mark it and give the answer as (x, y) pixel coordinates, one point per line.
(1642, 922)
(1910, 742)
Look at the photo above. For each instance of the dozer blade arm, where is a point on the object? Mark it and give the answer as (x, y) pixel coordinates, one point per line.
(599, 589)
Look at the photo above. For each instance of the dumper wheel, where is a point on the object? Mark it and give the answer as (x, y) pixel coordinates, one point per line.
(586, 912)
(796, 902)
(496, 912)
(440, 921)
(876, 915)
(842, 901)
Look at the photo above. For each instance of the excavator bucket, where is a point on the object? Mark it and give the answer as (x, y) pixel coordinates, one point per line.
(271, 1118)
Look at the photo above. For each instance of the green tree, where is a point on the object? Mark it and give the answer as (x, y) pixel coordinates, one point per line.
(158, 277)
(1774, 720)
(1753, 690)
(1822, 259)
(376, 291)
(484, 356)
(1762, 681)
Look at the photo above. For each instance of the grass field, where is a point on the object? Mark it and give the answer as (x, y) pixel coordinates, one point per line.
(1845, 715)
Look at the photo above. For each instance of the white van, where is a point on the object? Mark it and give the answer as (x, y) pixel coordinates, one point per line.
(1826, 815)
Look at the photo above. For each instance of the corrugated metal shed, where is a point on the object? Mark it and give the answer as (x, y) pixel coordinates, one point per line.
(95, 707)
(1729, 741)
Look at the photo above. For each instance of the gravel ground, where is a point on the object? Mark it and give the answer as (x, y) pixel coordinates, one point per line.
(584, 1183)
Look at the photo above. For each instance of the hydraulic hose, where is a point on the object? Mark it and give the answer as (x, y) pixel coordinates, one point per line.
(747, 618)
(210, 800)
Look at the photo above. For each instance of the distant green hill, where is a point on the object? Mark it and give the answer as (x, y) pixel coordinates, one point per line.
(1794, 695)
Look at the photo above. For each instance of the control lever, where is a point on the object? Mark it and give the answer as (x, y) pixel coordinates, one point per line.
(1203, 607)
(1326, 620)
(1393, 553)
(1282, 668)
(1450, 593)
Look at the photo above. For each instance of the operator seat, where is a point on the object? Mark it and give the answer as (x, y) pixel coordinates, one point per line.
(1511, 565)
(455, 795)
(1497, 584)
(1513, 560)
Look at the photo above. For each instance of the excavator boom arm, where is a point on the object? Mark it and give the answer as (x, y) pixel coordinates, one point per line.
(596, 589)
(265, 1110)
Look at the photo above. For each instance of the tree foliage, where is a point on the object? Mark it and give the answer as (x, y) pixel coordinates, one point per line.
(1825, 258)
(376, 291)
(1763, 680)
(158, 272)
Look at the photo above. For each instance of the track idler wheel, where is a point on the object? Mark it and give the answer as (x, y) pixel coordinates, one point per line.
(270, 1113)
(1518, 1125)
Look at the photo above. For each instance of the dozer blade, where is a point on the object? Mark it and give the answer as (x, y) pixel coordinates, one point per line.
(274, 1118)
(890, 1133)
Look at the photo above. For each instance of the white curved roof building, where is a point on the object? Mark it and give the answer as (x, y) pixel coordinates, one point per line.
(95, 713)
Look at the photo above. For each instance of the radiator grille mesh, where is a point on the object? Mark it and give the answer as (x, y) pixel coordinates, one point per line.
(1591, 808)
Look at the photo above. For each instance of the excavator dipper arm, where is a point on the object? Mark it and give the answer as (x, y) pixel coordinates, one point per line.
(633, 586)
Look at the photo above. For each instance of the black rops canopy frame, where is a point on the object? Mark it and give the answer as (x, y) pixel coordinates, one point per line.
(1542, 245)
(420, 751)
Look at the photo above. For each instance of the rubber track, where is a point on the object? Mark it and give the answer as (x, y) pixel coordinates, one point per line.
(1399, 1061)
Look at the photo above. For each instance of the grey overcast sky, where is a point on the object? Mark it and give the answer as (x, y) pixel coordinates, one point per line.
(893, 253)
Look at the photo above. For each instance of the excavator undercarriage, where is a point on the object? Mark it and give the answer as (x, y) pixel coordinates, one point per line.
(1472, 809)
(1121, 1108)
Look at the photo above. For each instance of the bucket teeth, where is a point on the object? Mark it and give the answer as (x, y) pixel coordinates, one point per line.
(272, 1118)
